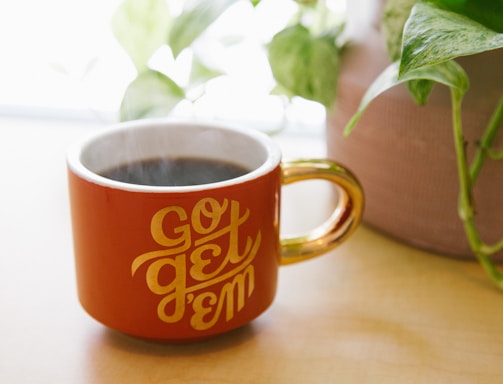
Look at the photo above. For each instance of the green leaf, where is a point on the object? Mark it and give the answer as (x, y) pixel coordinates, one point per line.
(151, 94)
(141, 27)
(305, 65)
(433, 35)
(393, 20)
(200, 73)
(193, 21)
(279, 90)
(311, 3)
(448, 73)
(486, 12)
(420, 90)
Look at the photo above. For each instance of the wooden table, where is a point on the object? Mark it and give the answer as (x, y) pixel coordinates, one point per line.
(372, 311)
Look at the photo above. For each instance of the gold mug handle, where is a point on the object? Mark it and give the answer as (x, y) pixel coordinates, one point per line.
(344, 219)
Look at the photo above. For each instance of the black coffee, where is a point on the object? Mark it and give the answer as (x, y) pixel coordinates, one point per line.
(175, 172)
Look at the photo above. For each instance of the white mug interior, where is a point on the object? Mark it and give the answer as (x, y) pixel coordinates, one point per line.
(150, 139)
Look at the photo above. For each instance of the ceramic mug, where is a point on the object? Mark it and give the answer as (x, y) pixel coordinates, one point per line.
(184, 263)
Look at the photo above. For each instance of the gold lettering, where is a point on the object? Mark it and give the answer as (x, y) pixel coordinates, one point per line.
(233, 295)
(142, 259)
(157, 228)
(199, 263)
(175, 289)
(237, 285)
(153, 271)
(203, 305)
(236, 221)
(177, 312)
(226, 263)
(210, 209)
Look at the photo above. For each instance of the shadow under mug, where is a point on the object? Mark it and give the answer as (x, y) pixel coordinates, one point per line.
(184, 263)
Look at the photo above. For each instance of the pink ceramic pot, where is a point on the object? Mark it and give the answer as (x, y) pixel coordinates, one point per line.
(404, 154)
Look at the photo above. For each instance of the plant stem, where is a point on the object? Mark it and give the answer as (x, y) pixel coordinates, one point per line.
(466, 180)
(484, 149)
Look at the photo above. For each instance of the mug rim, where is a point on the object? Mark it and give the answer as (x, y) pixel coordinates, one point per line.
(75, 152)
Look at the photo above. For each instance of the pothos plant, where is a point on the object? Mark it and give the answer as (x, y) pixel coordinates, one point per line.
(435, 33)
(303, 55)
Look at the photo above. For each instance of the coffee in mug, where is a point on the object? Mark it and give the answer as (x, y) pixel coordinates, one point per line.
(175, 171)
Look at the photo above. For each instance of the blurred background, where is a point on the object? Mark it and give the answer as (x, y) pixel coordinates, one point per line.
(60, 59)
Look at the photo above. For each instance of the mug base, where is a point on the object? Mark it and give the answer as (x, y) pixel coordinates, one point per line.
(237, 333)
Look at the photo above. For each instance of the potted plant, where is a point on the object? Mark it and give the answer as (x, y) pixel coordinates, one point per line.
(432, 193)
(318, 57)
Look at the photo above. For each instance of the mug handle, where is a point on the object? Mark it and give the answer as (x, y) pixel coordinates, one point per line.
(342, 222)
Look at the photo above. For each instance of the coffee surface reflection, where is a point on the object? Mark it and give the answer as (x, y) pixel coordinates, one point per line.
(175, 172)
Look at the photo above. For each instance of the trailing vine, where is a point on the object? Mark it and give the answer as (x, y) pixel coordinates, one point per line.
(467, 178)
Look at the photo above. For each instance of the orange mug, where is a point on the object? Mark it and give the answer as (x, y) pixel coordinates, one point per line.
(179, 263)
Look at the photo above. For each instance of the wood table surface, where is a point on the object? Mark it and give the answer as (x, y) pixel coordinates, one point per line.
(371, 311)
